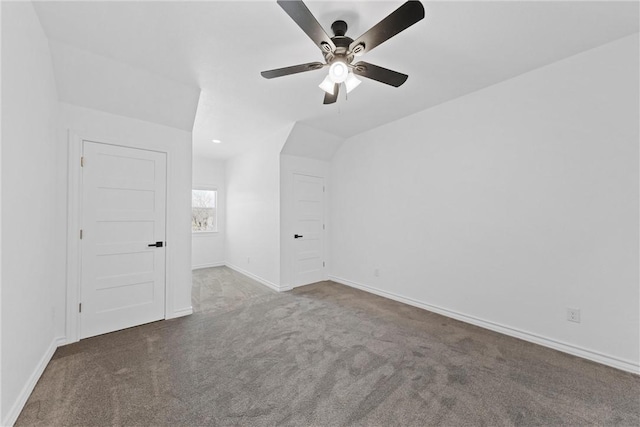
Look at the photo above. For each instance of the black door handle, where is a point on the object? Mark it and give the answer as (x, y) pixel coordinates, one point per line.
(156, 244)
(297, 236)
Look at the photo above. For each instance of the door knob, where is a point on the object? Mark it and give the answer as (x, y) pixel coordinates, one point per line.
(156, 244)
(297, 236)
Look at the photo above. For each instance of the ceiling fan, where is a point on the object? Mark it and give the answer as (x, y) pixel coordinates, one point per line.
(339, 51)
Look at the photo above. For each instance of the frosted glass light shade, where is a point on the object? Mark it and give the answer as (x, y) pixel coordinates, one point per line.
(338, 71)
(352, 82)
(327, 85)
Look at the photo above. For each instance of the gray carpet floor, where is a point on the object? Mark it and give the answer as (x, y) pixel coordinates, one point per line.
(321, 355)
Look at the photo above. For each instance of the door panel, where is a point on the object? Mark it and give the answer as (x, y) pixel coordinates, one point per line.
(123, 211)
(308, 196)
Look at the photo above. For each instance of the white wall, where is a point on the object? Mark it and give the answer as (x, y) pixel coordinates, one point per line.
(1, 413)
(33, 226)
(253, 210)
(290, 165)
(100, 126)
(207, 248)
(507, 206)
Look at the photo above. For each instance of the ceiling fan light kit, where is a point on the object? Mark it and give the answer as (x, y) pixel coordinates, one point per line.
(339, 51)
(327, 85)
(338, 71)
(351, 82)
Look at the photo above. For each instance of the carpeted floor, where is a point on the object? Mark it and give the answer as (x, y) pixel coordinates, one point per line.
(321, 355)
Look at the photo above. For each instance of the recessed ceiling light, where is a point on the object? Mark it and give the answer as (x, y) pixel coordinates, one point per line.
(216, 141)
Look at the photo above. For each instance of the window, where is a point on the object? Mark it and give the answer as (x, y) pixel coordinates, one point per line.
(204, 215)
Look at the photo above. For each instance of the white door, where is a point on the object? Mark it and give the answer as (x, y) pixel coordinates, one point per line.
(308, 196)
(123, 214)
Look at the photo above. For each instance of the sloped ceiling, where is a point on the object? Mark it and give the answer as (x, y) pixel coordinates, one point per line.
(89, 80)
(305, 141)
(221, 47)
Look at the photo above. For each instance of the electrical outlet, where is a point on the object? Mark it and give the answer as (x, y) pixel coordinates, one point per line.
(376, 272)
(573, 315)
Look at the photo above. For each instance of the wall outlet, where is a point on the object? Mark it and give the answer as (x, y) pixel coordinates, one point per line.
(376, 272)
(573, 315)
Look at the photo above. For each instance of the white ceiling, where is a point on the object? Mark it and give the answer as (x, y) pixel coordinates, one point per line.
(221, 47)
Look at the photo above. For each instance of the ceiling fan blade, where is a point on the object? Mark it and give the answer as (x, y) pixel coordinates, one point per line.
(399, 20)
(279, 72)
(299, 12)
(383, 75)
(330, 99)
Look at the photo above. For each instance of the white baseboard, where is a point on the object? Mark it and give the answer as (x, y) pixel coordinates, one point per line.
(259, 279)
(200, 266)
(182, 312)
(615, 362)
(26, 391)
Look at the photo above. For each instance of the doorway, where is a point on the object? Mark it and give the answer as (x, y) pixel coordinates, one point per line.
(308, 226)
(122, 246)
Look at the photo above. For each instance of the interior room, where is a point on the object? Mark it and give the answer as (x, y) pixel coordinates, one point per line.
(431, 217)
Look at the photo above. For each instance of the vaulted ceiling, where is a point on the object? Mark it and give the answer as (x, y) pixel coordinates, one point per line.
(150, 60)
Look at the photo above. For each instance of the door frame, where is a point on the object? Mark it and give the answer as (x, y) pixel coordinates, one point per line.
(290, 229)
(74, 215)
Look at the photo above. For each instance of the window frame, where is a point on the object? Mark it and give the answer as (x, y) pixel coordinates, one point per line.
(205, 188)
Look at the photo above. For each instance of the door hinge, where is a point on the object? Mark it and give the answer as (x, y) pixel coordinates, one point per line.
(80, 234)
(323, 188)
(323, 263)
(323, 226)
(82, 161)
(80, 308)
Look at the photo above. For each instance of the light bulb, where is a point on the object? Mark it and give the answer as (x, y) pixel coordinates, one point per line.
(327, 85)
(338, 71)
(352, 82)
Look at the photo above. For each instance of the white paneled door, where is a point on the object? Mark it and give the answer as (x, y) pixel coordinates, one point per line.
(308, 196)
(123, 238)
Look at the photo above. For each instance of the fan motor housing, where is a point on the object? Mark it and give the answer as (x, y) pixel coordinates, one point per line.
(341, 42)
